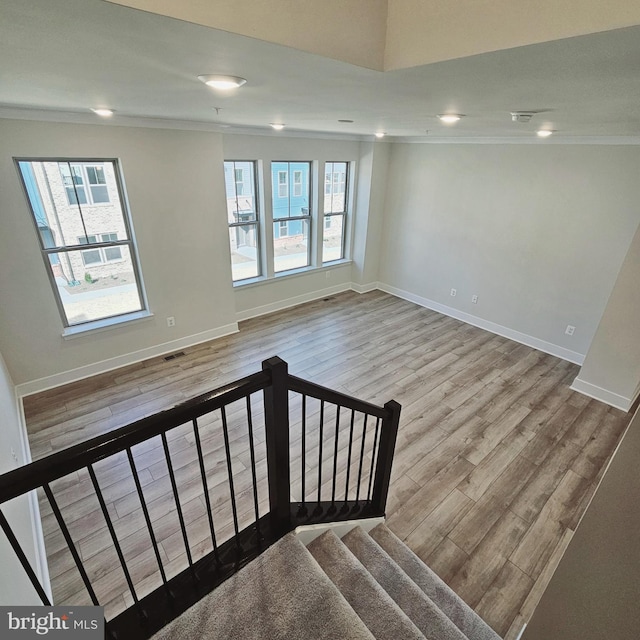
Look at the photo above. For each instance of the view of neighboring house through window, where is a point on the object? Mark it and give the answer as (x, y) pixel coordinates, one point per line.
(291, 200)
(335, 210)
(242, 215)
(85, 237)
(84, 183)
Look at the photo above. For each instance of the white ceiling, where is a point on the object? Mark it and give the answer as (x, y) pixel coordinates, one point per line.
(59, 58)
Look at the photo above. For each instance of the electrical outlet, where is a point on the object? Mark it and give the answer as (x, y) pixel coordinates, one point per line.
(474, 299)
(570, 330)
(171, 321)
(454, 292)
(14, 455)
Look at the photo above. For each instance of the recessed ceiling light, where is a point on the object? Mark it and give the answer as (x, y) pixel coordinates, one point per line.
(450, 118)
(277, 126)
(544, 133)
(105, 113)
(225, 83)
(380, 134)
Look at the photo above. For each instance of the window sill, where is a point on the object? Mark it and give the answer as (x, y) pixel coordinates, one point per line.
(292, 273)
(104, 325)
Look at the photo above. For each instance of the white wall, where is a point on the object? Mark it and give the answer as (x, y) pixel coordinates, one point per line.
(424, 31)
(372, 187)
(283, 291)
(174, 181)
(538, 232)
(612, 366)
(349, 30)
(594, 592)
(15, 587)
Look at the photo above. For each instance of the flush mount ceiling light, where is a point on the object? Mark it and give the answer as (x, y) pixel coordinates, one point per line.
(450, 118)
(544, 133)
(105, 113)
(380, 134)
(225, 83)
(277, 126)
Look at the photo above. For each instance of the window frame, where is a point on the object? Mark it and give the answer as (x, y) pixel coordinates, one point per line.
(256, 222)
(129, 242)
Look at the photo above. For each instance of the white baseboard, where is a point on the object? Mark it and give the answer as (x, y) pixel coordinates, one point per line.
(309, 532)
(292, 302)
(512, 334)
(524, 626)
(64, 377)
(364, 288)
(604, 395)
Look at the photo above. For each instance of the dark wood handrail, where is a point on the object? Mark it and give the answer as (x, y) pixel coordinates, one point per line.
(329, 395)
(177, 593)
(35, 474)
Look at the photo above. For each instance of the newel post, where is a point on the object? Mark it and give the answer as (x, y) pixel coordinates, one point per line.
(386, 448)
(276, 419)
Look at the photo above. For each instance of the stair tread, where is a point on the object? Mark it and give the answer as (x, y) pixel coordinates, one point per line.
(465, 618)
(422, 611)
(280, 595)
(384, 619)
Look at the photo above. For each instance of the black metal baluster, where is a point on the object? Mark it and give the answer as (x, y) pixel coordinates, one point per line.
(304, 448)
(15, 545)
(205, 488)
(364, 437)
(373, 459)
(335, 456)
(320, 449)
(253, 463)
(346, 489)
(176, 497)
(147, 519)
(72, 547)
(116, 544)
(227, 448)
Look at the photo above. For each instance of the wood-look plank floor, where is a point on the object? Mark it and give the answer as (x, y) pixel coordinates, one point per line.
(495, 463)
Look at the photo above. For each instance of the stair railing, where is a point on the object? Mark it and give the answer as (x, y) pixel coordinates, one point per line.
(352, 482)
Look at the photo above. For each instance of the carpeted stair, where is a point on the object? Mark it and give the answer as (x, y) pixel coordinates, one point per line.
(365, 586)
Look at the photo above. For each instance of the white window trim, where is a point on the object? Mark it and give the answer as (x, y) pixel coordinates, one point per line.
(105, 324)
(129, 241)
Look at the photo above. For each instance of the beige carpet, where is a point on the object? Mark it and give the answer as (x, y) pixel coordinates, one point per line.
(364, 586)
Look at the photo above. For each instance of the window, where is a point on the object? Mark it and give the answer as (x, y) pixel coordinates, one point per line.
(102, 254)
(239, 175)
(297, 183)
(335, 210)
(84, 183)
(291, 215)
(242, 215)
(283, 184)
(90, 284)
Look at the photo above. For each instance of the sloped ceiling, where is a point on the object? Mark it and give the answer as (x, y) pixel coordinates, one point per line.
(61, 58)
